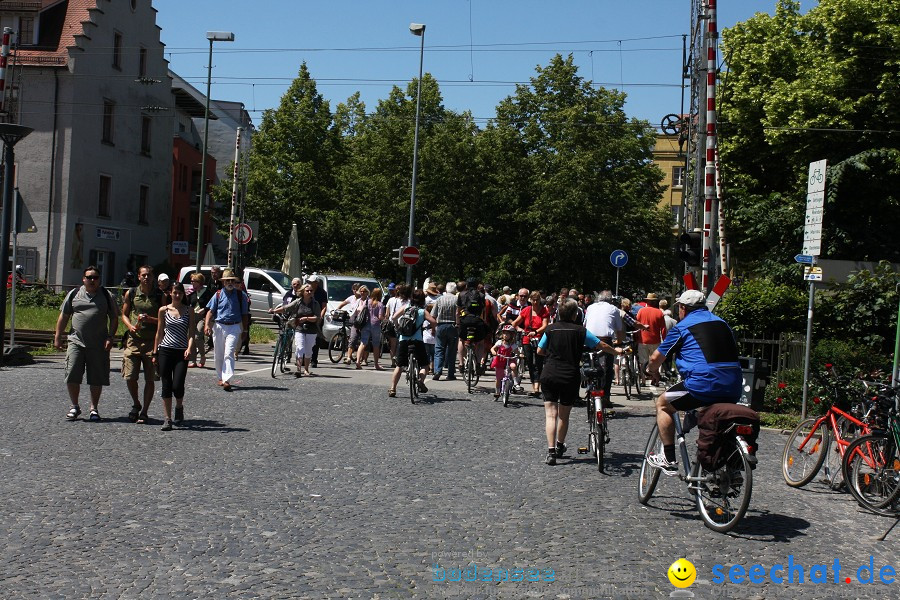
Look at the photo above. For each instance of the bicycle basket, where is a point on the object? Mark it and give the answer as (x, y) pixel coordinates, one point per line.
(340, 316)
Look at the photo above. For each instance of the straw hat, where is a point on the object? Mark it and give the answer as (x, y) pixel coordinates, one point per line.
(228, 274)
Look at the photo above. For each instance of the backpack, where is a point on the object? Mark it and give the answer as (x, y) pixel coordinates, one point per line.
(362, 317)
(473, 303)
(407, 322)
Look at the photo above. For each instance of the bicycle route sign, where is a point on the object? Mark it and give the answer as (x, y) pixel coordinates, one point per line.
(410, 255)
(618, 258)
(242, 233)
(815, 208)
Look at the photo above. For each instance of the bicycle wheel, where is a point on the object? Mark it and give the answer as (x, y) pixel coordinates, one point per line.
(469, 375)
(649, 474)
(506, 389)
(600, 434)
(276, 356)
(834, 458)
(871, 470)
(412, 376)
(337, 346)
(627, 375)
(636, 375)
(287, 352)
(723, 495)
(804, 452)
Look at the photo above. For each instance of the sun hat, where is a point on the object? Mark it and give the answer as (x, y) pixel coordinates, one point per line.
(228, 274)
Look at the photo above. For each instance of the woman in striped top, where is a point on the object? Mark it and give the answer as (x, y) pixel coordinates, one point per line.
(172, 349)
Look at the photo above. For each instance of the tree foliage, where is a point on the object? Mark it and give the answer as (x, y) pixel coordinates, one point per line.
(800, 88)
(540, 196)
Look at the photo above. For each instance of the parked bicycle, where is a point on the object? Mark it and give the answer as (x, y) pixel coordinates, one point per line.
(594, 374)
(871, 465)
(284, 345)
(629, 375)
(338, 345)
(722, 490)
(470, 366)
(818, 438)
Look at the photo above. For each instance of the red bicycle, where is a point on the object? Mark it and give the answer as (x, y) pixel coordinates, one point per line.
(828, 436)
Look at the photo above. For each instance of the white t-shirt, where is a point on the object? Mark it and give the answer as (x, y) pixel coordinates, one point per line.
(393, 305)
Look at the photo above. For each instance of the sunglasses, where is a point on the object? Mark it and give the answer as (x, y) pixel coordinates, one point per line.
(91, 277)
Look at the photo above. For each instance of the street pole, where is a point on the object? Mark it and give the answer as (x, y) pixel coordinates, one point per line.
(234, 193)
(10, 134)
(419, 30)
(895, 371)
(212, 36)
(809, 324)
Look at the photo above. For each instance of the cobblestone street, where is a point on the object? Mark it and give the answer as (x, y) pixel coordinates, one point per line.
(324, 487)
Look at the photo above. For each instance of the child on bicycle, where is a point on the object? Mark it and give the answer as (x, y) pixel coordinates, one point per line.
(505, 350)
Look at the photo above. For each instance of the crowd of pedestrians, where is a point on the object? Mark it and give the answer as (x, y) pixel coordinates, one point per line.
(168, 327)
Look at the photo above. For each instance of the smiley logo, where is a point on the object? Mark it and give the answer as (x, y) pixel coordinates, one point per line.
(682, 573)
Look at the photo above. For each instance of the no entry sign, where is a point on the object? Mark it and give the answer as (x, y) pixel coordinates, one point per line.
(410, 255)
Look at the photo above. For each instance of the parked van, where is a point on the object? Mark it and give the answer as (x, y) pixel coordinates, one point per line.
(266, 288)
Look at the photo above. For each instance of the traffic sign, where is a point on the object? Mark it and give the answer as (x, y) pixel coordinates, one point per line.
(242, 233)
(815, 208)
(812, 273)
(618, 258)
(180, 247)
(410, 255)
(803, 259)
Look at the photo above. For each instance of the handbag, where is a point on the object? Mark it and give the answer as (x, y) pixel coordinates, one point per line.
(362, 317)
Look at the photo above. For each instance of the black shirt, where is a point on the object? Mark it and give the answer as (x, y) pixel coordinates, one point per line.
(565, 344)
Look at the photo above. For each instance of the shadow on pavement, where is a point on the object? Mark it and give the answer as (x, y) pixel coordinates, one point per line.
(209, 425)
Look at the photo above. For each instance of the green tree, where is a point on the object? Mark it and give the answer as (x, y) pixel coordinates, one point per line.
(292, 172)
(582, 183)
(799, 88)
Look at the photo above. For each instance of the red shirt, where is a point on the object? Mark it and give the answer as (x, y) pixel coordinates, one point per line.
(532, 321)
(656, 320)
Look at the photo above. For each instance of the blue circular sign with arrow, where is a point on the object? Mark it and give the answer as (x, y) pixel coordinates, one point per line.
(619, 258)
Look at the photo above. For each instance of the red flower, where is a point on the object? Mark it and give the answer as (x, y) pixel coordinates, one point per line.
(816, 400)
(781, 385)
(779, 400)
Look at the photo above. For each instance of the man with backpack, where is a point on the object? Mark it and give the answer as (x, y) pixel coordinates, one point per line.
(230, 310)
(139, 314)
(94, 323)
(471, 303)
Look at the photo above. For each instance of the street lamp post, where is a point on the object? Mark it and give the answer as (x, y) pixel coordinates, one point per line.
(419, 30)
(212, 36)
(10, 134)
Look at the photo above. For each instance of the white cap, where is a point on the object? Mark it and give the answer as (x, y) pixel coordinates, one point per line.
(692, 299)
(162, 277)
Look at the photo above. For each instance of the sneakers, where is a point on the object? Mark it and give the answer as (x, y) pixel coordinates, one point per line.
(551, 457)
(518, 389)
(179, 414)
(659, 461)
(167, 425)
(451, 377)
(561, 449)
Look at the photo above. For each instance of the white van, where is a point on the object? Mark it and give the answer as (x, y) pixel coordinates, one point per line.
(339, 288)
(266, 288)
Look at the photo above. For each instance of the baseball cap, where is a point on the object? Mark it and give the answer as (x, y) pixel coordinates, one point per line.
(691, 298)
(162, 277)
(392, 285)
(312, 278)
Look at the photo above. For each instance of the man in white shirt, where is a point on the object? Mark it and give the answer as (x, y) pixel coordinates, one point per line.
(605, 321)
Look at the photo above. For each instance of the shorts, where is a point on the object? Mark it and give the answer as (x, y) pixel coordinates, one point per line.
(566, 394)
(370, 334)
(680, 398)
(94, 360)
(645, 351)
(137, 355)
(476, 326)
(403, 353)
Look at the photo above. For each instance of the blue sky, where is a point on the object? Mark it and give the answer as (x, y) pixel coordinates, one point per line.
(476, 49)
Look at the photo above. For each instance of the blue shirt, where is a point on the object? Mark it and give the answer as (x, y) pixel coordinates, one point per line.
(706, 356)
(420, 320)
(229, 307)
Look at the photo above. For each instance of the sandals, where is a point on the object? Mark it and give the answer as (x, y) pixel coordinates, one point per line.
(392, 393)
(73, 412)
(142, 419)
(94, 416)
(133, 415)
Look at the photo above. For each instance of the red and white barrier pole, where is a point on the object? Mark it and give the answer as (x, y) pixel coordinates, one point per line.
(4, 56)
(710, 166)
(717, 292)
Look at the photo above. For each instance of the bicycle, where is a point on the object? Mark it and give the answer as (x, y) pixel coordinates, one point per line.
(628, 373)
(284, 345)
(470, 368)
(338, 345)
(508, 381)
(871, 463)
(723, 493)
(412, 374)
(810, 443)
(593, 371)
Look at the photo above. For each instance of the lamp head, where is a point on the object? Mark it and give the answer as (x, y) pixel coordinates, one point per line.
(417, 28)
(220, 36)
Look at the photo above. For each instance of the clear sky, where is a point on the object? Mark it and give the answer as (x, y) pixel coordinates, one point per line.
(476, 49)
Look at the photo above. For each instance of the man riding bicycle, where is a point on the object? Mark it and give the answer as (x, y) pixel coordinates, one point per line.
(471, 303)
(706, 355)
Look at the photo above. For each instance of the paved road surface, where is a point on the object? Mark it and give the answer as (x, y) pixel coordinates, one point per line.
(325, 488)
